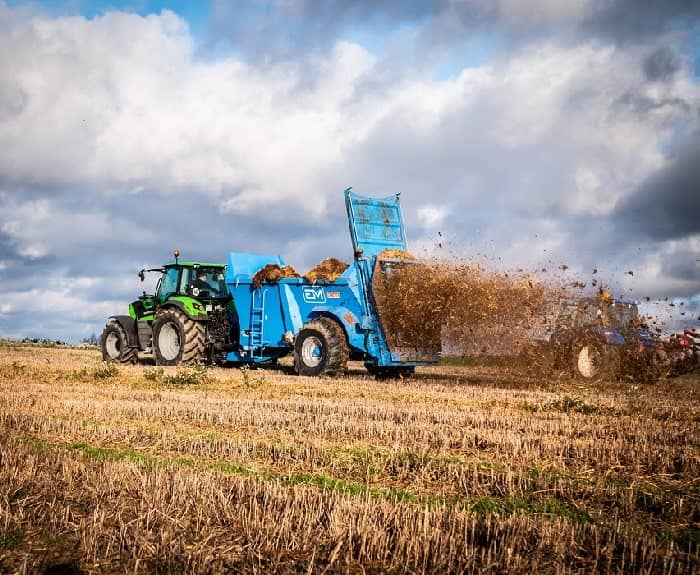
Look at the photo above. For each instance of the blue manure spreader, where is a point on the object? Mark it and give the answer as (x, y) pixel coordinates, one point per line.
(325, 323)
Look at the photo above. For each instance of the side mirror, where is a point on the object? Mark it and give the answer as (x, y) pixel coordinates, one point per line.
(142, 275)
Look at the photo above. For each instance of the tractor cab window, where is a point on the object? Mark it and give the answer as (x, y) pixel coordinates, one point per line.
(624, 315)
(565, 319)
(586, 314)
(615, 315)
(206, 282)
(168, 284)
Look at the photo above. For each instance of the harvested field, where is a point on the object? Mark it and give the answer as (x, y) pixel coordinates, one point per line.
(464, 469)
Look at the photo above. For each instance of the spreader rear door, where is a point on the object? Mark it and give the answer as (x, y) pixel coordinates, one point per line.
(376, 224)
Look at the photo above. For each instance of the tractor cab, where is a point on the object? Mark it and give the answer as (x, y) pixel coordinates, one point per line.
(613, 314)
(199, 287)
(195, 280)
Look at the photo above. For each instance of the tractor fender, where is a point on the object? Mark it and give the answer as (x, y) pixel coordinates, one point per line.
(129, 325)
(179, 305)
(609, 336)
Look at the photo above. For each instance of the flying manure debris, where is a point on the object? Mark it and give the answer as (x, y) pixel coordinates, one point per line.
(467, 307)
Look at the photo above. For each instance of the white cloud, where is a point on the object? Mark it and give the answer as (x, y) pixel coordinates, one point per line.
(122, 101)
(33, 251)
(431, 215)
(59, 302)
(43, 227)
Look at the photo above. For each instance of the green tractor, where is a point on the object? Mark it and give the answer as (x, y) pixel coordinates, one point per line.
(191, 318)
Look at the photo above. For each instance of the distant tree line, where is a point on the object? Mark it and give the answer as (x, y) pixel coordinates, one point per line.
(92, 339)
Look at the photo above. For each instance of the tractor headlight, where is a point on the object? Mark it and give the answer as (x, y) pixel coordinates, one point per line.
(197, 306)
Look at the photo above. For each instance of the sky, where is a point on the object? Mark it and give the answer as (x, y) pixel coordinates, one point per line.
(527, 133)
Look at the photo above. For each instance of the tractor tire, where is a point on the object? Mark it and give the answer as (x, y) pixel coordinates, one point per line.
(177, 339)
(321, 349)
(651, 366)
(594, 361)
(115, 344)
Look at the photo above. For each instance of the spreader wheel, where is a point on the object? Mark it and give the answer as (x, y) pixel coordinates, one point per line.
(321, 348)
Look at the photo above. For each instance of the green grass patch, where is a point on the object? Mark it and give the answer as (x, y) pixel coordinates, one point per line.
(514, 506)
(531, 407)
(114, 454)
(232, 468)
(480, 505)
(486, 465)
(197, 374)
(571, 404)
(35, 444)
(12, 539)
(337, 485)
(565, 404)
(100, 372)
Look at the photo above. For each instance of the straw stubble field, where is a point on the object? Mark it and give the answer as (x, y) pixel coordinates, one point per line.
(463, 469)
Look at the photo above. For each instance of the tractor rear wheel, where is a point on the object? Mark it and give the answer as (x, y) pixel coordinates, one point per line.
(177, 339)
(115, 344)
(321, 348)
(594, 361)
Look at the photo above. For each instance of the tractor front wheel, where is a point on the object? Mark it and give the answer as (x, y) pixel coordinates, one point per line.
(321, 348)
(177, 340)
(115, 344)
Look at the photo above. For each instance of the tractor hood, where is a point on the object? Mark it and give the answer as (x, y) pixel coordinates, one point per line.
(610, 335)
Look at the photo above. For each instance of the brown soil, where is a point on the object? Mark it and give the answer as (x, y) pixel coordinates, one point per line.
(329, 269)
(273, 273)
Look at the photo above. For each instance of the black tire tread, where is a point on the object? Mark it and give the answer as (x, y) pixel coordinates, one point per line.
(336, 343)
(127, 354)
(610, 367)
(193, 345)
